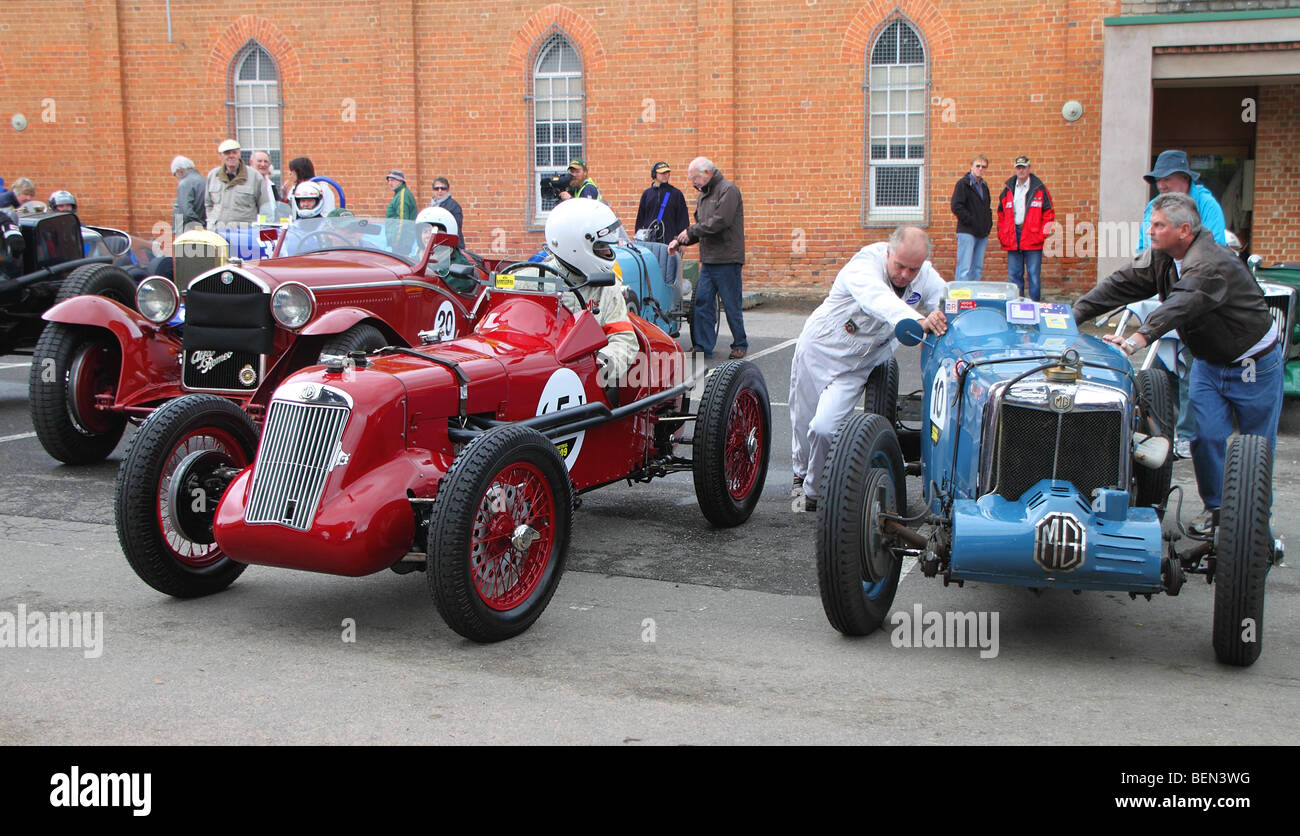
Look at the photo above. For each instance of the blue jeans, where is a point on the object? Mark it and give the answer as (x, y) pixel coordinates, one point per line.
(1249, 394)
(970, 257)
(718, 280)
(1022, 262)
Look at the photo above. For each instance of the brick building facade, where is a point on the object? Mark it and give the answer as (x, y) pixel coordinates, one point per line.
(778, 94)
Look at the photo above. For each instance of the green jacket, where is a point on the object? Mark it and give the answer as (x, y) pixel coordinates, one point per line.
(402, 205)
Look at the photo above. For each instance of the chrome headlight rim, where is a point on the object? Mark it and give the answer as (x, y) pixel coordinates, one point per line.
(157, 299)
(298, 295)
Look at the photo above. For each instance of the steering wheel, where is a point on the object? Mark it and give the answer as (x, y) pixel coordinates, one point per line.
(546, 268)
(304, 243)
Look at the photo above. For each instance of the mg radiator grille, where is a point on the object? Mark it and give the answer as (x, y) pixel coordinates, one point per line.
(1279, 307)
(1078, 447)
(298, 450)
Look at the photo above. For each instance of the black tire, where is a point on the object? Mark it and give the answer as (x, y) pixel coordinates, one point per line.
(717, 319)
(165, 541)
(99, 280)
(360, 337)
(1151, 487)
(475, 509)
(70, 366)
(732, 443)
(1243, 550)
(857, 571)
(881, 394)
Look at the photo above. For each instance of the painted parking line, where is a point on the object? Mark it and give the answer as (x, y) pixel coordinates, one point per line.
(18, 437)
(772, 349)
(26, 365)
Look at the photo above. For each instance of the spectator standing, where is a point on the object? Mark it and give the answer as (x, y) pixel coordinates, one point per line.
(1024, 210)
(586, 187)
(1173, 174)
(970, 203)
(261, 161)
(190, 207)
(402, 206)
(662, 213)
(236, 192)
(719, 229)
(442, 197)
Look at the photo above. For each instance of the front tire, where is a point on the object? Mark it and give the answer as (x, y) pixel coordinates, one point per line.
(1152, 486)
(881, 394)
(857, 569)
(99, 280)
(163, 506)
(499, 534)
(732, 443)
(70, 367)
(1243, 550)
(360, 337)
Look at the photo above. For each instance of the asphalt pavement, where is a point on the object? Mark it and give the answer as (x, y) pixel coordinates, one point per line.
(664, 630)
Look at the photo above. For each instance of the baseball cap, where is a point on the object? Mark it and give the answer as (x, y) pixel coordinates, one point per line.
(228, 145)
(1022, 160)
(577, 164)
(658, 167)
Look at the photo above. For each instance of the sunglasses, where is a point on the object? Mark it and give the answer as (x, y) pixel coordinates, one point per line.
(440, 188)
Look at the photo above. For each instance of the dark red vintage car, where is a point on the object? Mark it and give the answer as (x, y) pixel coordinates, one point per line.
(339, 284)
(461, 458)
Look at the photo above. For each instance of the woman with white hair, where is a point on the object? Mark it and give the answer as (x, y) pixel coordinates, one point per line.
(189, 208)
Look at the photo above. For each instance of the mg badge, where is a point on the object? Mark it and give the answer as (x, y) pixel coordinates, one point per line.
(247, 376)
(1060, 542)
(1062, 400)
(227, 278)
(308, 392)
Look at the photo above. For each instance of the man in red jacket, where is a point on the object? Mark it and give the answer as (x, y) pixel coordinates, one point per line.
(1024, 211)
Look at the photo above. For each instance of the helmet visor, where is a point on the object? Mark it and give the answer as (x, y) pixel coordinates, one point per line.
(611, 234)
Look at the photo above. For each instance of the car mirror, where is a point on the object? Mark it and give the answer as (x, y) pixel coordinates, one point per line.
(601, 279)
(908, 331)
(462, 271)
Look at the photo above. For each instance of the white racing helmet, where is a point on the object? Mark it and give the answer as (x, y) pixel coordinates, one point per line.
(580, 233)
(437, 216)
(308, 199)
(63, 197)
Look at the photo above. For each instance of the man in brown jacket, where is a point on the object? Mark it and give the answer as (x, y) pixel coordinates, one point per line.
(1219, 310)
(719, 229)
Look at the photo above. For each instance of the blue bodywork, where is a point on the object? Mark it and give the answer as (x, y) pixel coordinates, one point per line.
(999, 538)
(643, 273)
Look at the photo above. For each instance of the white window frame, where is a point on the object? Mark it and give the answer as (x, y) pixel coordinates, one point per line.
(250, 96)
(564, 88)
(899, 97)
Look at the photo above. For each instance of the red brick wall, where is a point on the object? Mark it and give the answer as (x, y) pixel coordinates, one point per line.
(770, 89)
(1276, 218)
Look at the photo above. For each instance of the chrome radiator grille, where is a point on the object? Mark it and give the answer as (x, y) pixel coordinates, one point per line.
(298, 449)
(1081, 447)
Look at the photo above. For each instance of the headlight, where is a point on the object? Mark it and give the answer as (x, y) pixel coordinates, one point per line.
(157, 299)
(292, 305)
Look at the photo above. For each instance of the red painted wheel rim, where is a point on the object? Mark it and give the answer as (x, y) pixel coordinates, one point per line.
(92, 372)
(744, 450)
(182, 548)
(504, 574)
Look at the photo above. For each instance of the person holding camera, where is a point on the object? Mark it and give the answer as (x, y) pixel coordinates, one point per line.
(586, 187)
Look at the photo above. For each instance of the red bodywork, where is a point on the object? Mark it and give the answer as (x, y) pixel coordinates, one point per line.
(350, 287)
(522, 351)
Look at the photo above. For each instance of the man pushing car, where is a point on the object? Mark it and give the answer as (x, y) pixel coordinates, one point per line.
(848, 336)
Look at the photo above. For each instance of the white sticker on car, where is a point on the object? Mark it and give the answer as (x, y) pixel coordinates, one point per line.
(564, 390)
(444, 324)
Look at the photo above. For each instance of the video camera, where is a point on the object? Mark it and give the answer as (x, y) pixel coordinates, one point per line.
(553, 184)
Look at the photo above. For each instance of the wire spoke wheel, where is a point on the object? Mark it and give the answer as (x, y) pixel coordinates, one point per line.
(514, 532)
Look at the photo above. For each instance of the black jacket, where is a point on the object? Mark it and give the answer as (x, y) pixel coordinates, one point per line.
(974, 215)
(1216, 304)
(453, 207)
(676, 215)
(719, 226)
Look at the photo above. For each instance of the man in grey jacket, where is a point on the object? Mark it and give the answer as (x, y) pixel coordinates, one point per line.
(236, 192)
(189, 208)
(1219, 310)
(719, 229)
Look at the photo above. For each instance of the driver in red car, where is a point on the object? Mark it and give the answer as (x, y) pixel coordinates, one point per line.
(579, 236)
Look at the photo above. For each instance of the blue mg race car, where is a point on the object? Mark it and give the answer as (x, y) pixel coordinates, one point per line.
(1045, 462)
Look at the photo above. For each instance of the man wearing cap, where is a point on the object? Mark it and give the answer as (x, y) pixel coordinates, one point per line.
(1172, 174)
(1219, 310)
(662, 213)
(1024, 209)
(236, 193)
(970, 203)
(586, 187)
(402, 206)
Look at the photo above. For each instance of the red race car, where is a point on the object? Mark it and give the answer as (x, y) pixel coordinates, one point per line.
(461, 458)
(338, 285)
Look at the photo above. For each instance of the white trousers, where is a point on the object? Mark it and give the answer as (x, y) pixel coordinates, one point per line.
(825, 385)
